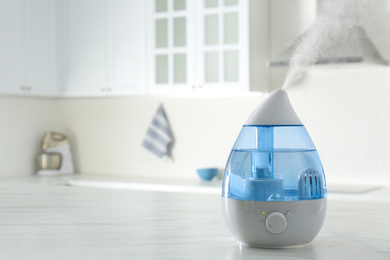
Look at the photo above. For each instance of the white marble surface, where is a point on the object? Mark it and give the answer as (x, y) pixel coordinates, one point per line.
(44, 219)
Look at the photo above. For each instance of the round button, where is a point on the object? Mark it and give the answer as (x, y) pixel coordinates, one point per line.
(276, 222)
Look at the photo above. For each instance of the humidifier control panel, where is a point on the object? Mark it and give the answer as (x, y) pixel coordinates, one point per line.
(276, 222)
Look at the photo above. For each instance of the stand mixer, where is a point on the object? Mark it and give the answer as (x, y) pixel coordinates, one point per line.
(56, 157)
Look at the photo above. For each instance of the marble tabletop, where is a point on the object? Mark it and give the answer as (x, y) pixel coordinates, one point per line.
(42, 218)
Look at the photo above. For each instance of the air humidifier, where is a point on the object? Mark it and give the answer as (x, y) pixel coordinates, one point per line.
(274, 190)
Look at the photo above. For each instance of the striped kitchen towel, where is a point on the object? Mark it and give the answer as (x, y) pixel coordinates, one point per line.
(159, 137)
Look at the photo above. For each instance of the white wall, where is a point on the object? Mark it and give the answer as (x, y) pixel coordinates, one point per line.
(23, 121)
(107, 133)
(346, 111)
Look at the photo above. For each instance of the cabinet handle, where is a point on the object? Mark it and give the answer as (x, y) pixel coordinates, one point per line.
(26, 88)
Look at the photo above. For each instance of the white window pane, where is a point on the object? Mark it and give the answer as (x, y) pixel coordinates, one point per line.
(211, 3)
(179, 30)
(230, 2)
(161, 6)
(179, 5)
(180, 67)
(231, 28)
(211, 29)
(212, 66)
(162, 69)
(231, 66)
(161, 33)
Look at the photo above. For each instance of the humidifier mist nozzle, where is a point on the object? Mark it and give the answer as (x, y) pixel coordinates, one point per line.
(276, 110)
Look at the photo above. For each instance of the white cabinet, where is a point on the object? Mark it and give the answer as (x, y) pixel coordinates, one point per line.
(41, 68)
(28, 63)
(156, 46)
(85, 47)
(198, 45)
(126, 46)
(171, 45)
(104, 47)
(223, 45)
(11, 46)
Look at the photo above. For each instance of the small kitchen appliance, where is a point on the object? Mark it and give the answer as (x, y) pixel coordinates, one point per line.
(274, 190)
(56, 157)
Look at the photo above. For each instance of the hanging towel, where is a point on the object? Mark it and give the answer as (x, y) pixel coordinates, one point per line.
(158, 138)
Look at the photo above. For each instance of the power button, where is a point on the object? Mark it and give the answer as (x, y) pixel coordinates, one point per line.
(276, 222)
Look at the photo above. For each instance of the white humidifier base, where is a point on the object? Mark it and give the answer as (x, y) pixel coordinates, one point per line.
(274, 224)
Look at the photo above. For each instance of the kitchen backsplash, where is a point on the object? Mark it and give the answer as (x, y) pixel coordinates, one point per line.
(107, 133)
(345, 110)
(22, 123)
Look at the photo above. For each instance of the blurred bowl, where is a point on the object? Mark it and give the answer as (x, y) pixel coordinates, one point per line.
(49, 161)
(207, 174)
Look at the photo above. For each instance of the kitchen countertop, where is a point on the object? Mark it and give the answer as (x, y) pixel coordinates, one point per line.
(42, 218)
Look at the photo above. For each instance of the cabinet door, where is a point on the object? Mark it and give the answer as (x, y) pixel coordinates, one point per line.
(215, 56)
(85, 54)
(223, 46)
(126, 46)
(40, 47)
(11, 46)
(171, 45)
